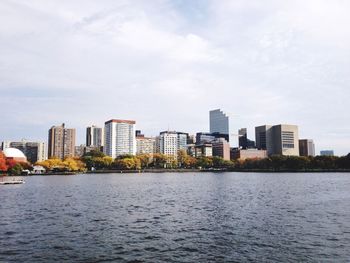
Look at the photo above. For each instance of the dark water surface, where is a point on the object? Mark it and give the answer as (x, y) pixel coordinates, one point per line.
(189, 217)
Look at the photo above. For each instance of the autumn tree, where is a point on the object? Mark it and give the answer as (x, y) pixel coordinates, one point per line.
(73, 164)
(145, 159)
(159, 160)
(3, 165)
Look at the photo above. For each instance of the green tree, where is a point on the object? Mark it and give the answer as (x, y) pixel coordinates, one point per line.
(16, 170)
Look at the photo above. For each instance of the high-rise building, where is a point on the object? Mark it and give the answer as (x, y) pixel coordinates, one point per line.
(306, 147)
(34, 151)
(94, 137)
(280, 139)
(170, 142)
(61, 142)
(221, 148)
(119, 138)
(218, 122)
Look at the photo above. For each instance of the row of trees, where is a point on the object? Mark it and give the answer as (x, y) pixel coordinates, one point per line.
(294, 163)
(67, 165)
(98, 160)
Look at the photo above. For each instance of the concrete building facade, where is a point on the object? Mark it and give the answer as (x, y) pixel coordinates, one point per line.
(221, 148)
(282, 139)
(145, 145)
(61, 143)
(119, 137)
(244, 154)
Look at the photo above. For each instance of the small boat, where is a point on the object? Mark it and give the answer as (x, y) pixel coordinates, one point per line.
(10, 180)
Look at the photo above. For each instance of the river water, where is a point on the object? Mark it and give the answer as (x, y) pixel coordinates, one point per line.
(170, 217)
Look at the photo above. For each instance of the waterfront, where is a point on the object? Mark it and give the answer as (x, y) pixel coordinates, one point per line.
(185, 217)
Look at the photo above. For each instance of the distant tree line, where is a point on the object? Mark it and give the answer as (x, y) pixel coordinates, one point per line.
(99, 161)
(96, 160)
(295, 163)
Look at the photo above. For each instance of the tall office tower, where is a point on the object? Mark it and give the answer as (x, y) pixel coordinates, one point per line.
(119, 138)
(34, 151)
(170, 142)
(218, 122)
(221, 148)
(280, 139)
(94, 136)
(61, 142)
(306, 147)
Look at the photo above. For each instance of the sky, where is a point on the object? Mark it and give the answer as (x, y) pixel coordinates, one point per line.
(167, 63)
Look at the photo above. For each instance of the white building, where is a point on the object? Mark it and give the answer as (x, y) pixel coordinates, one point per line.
(170, 142)
(119, 138)
(145, 145)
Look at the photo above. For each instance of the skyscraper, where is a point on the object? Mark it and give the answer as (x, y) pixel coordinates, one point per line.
(94, 137)
(218, 122)
(119, 138)
(61, 142)
(306, 147)
(280, 139)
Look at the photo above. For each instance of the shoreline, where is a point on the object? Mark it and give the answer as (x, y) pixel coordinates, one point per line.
(192, 171)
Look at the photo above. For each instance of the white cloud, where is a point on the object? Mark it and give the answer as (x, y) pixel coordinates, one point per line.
(163, 63)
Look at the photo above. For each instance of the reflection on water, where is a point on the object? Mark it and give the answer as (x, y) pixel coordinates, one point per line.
(190, 217)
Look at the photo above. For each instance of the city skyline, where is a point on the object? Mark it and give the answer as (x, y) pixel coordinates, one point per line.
(277, 63)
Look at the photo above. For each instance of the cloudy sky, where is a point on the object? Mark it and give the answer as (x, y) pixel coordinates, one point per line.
(167, 63)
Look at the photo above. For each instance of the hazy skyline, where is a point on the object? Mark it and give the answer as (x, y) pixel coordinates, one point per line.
(165, 64)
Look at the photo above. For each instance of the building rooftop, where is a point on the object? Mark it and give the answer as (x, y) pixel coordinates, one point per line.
(14, 153)
(121, 121)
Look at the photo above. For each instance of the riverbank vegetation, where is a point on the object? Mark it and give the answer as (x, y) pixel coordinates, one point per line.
(98, 161)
